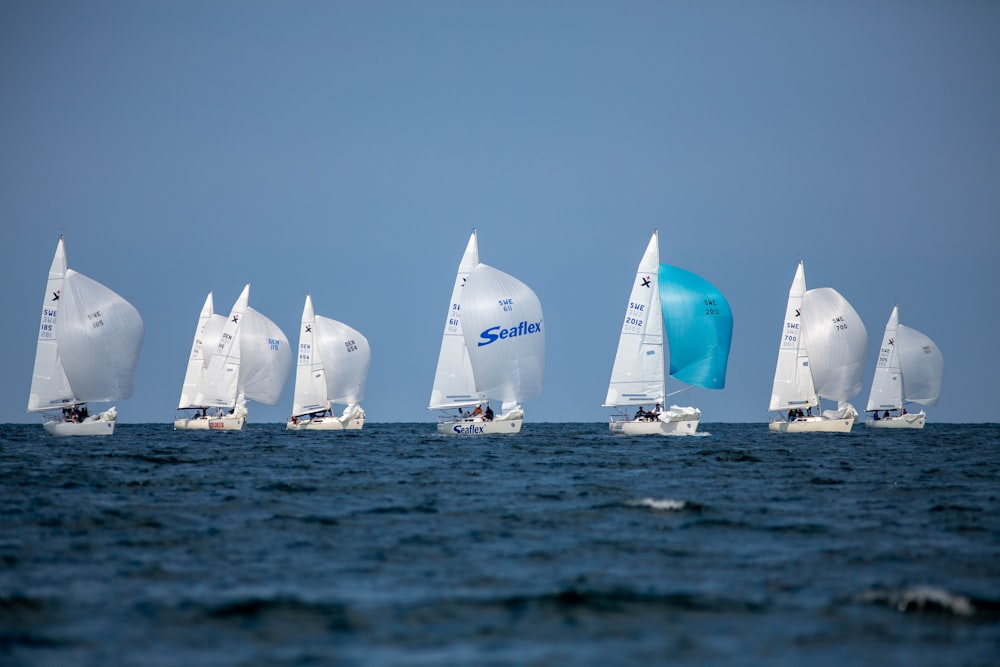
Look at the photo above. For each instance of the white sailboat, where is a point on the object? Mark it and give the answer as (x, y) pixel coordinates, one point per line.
(910, 369)
(89, 340)
(332, 368)
(492, 349)
(821, 355)
(699, 327)
(250, 359)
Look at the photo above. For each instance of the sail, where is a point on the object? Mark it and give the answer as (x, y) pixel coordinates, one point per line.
(887, 382)
(503, 327)
(699, 327)
(333, 363)
(793, 383)
(309, 394)
(49, 384)
(922, 366)
(96, 336)
(347, 353)
(837, 342)
(100, 336)
(220, 383)
(454, 384)
(198, 360)
(637, 374)
(265, 358)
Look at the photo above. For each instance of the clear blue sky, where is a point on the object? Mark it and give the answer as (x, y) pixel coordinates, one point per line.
(348, 148)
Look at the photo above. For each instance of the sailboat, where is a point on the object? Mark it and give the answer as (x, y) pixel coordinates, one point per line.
(492, 349)
(249, 359)
(910, 369)
(699, 327)
(332, 368)
(89, 339)
(821, 355)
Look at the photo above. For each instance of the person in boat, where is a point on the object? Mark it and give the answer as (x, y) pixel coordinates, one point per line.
(886, 415)
(461, 413)
(875, 415)
(655, 414)
(488, 415)
(640, 414)
(478, 412)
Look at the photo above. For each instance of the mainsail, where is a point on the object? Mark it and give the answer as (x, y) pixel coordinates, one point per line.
(637, 374)
(454, 384)
(793, 383)
(206, 337)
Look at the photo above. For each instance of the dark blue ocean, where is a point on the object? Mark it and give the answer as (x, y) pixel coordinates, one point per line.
(563, 545)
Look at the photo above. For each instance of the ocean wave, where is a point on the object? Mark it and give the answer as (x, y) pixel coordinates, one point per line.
(930, 599)
(664, 504)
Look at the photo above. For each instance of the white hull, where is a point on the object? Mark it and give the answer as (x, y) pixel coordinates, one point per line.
(325, 424)
(226, 423)
(479, 426)
(678, 427)
(899, 421)
(102, 424)
(813, 424)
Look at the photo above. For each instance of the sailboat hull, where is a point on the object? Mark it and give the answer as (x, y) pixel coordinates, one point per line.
(479, 427)
(679, 427)
(97, 426)
(325, 424)
(814, 424)
(225, 423)
(899, 421)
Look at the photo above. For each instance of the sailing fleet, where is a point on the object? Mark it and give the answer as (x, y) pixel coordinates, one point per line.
(677, 328)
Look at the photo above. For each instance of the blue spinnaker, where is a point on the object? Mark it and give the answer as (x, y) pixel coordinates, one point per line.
(698, 325)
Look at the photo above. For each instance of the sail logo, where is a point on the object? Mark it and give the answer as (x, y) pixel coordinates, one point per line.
(471, 429)
(497, 332)
(274, 344)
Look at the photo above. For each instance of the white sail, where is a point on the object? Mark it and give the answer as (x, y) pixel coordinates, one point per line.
(88, 345)
(206, 336)
(837, 342)
(793, 383)
(220, 385)
(503, 328)
(49, 385)
(265, 358)
(332, 366)
(637, 374)
(454, 384)
(887, 383)
(922, 366)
